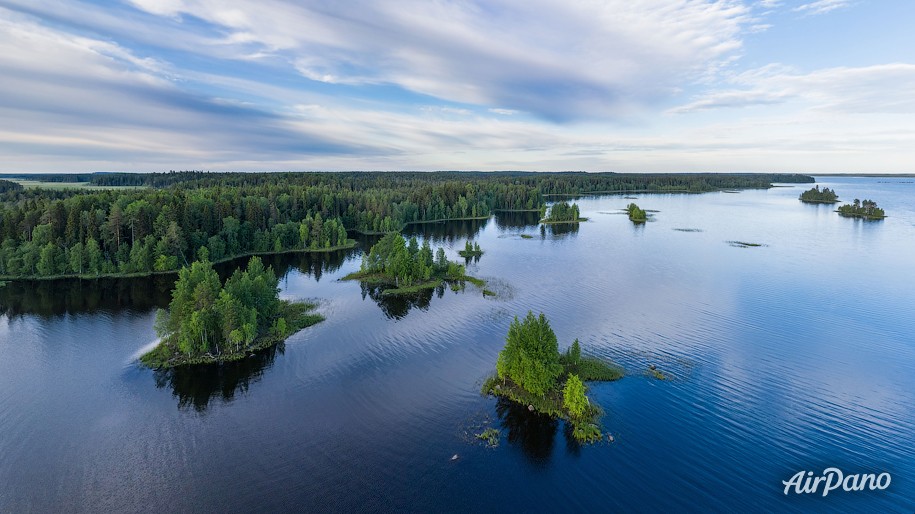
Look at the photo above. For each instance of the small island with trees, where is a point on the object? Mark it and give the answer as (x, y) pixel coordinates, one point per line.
(865, 209)
(471, 250)
(636, 214)
(815, 195)
(210, 322)
(562, 212)
(409, 267)
(531, 371)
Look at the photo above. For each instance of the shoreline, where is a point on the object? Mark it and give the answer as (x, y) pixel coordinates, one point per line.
(351, 243)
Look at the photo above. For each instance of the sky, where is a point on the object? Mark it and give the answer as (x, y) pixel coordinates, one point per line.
(811, 86)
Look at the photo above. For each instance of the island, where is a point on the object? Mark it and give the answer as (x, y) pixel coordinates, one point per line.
(410, 268)
(865, 209)
(636, 214)
(562, 212)
(471, 250)
(209, 322)
(531, 371)
(815, 195)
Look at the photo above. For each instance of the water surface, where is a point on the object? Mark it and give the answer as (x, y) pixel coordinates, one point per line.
(796, 355)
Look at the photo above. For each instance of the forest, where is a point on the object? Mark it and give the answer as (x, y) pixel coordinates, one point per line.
(175, 217)
(208, 321)
(815, 195)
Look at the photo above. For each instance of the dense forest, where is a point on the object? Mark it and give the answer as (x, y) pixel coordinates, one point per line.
(866, 209)
(177, 217)
(815, 195)
(208, 321)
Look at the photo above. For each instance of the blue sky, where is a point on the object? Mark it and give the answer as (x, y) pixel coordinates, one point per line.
(615, 85)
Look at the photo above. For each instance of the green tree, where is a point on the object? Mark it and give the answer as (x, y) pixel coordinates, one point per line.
(531, 355)
(573, 397)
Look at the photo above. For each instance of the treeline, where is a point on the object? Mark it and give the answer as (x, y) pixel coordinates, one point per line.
(90, 232)
(862, 209)
(7, 186)
(815, 195)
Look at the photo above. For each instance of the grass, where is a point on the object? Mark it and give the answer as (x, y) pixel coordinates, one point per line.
(490, 436)
(298, 315)
(472, 253)
(688, 229)
(431, 284)
(656, 373)
(527, 236)
(744, 244)
(62, 186)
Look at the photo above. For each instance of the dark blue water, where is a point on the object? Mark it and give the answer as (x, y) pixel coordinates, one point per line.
(796, 355)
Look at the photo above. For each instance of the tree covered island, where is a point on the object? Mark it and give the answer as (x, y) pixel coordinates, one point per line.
(210, 322)
(562, 212)
(409, 267)
(471, 250)
(866, 209)
(636, 214)
(815, 195)
(531, 371)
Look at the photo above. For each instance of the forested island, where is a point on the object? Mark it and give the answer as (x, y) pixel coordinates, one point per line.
(210, 322)
(471, 250)
(815, 195)
(636, 214)
(865, 209)
(562, 212)
(531, 371)
(408, 267)
(163, 221)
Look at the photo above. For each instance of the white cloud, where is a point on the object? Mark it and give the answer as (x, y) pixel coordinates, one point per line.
(577, 59)
(885, 88)
(822, 6)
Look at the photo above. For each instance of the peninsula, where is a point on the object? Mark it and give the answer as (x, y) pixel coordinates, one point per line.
(531, 371)
(209, 322)
(562, 212)
(408, 267)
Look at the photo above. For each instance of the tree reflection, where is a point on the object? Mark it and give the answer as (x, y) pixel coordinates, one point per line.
(558, 229)
(398, 306)
(532, 432)
(518, 220)
(196, 386)
(450, 231)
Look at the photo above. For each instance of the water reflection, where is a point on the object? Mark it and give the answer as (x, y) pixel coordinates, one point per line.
(312, 264)
(71, 296)
(516, 220)
(397, 306)
(141, 294)
(196, 386)
(532, 432)
(449, 231)
(559, 229)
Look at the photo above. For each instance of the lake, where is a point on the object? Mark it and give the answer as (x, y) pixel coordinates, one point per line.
(795, 355)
